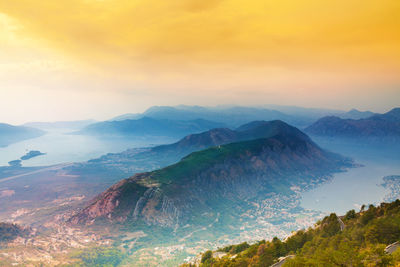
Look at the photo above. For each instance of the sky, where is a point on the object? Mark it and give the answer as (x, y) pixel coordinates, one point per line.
(80, 59)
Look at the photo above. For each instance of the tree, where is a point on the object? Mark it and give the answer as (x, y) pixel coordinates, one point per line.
(206, 255)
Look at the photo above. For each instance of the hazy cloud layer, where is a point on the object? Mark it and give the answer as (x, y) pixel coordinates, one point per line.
(166, 52)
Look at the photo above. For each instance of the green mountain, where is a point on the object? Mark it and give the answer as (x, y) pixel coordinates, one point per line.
(367, 238)
(220, 178)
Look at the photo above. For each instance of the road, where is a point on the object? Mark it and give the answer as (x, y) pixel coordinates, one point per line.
(282, 261)
(51, 168)
(342, 226)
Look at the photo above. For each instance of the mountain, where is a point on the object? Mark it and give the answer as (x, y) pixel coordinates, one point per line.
(366, 238)
(11, 134)
(356, 114)
(138, 160)
(380, 126)
(219, 178)
(221, 136)
(232, 116)
(147, 126)
(76, 125)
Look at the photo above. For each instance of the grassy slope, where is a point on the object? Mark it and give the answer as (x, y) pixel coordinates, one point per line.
(204, 159)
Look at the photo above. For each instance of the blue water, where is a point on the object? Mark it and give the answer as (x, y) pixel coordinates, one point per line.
(357, 186)
(61, 147)
(350, 190)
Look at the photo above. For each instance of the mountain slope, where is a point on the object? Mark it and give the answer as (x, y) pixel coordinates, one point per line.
(10, 134)
(378, 126)
(356, 239)
(222, 176)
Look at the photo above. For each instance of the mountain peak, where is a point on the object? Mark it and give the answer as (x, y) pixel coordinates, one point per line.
(394, 113)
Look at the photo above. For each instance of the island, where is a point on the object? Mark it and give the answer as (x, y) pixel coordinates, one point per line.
(32, 154)
(15, 163)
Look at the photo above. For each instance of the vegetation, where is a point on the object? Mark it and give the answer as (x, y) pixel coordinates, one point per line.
(98, 256)
(362, 242)
(235, 249)
(198, 161)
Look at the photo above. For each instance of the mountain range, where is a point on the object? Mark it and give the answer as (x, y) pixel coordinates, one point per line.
(147, 126)
(277, 157)
(379, 126)
(236, 115)
(166, 120)
(231, 116)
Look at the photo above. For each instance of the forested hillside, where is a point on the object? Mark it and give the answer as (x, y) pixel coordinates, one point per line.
(356, 239)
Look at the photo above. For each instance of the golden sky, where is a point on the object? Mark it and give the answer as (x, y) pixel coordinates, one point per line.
(65, 59)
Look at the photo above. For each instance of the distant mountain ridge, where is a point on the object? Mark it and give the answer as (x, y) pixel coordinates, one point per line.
(149, 126)
(393, 116)
(11, 134)
(385, 126)
(232, 116)
(356, 114)
(60, 124)
(223, 175)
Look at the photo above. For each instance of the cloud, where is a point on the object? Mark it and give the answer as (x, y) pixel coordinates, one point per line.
(187, 47)
(148, 33)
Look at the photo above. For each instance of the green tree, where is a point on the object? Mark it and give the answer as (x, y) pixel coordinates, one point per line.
(206, 256)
